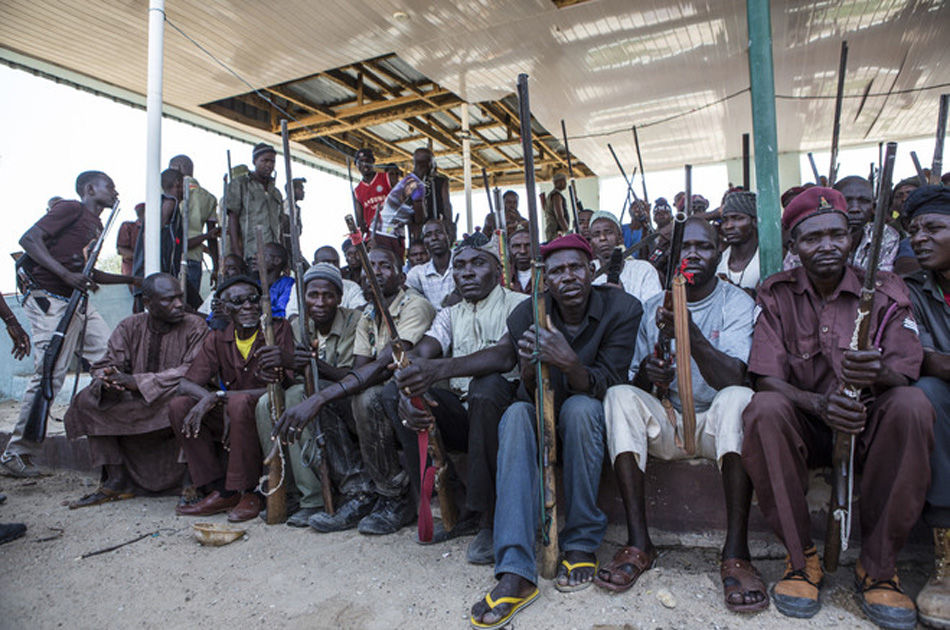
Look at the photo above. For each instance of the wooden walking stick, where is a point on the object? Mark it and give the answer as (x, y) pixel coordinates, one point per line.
(544, 392)
(838, 531)
(276, 490)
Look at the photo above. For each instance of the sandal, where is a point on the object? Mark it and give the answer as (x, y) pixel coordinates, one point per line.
(884, 601)
(517, 605)
(100, 496)
(629, 563)
(739, 577)
(566, 569)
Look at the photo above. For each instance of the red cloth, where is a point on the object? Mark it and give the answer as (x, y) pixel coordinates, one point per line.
(812, 201)
(568, 241)
(372, 195)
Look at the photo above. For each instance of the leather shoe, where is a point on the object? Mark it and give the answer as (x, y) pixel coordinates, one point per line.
(214, 503)
(247, 508)
(389, 515)
(347, 514)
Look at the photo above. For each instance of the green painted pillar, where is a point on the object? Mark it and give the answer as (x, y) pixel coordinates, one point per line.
(758, 18)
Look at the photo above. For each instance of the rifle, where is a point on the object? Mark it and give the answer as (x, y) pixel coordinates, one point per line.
(573, 187)
(921, 176)
(936, 169)
(614, 266)
(544, 392)
(276, 490)
(627, 253)
(185, 215)
(814, 168)
(430, 442)
(838, 531)
(643, 173)
(500, 231)
(631, 193)
(312, 373)
(674, 286)
(746, 164)
(836, 128)
(35, 429)
(223, 222)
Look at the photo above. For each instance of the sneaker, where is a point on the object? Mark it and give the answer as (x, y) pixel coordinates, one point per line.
(19, 466)
(346, 516)
(389, 515)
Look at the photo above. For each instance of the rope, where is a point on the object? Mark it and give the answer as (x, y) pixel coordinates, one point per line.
(264, 478)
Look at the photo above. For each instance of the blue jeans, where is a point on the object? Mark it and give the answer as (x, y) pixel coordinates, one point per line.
(937, 510)
(582, 435)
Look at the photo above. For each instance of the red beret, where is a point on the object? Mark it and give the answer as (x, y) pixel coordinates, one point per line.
(568, 241)
(815, 200)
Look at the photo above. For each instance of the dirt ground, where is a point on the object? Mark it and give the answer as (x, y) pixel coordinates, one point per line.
(282, 577)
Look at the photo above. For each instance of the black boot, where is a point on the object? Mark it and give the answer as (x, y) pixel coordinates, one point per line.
(389, 515)
(347, 515)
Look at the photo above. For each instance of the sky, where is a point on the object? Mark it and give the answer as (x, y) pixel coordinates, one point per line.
(51, 132)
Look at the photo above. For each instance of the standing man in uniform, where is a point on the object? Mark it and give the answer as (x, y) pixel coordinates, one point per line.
(56, 245)
(253, 199)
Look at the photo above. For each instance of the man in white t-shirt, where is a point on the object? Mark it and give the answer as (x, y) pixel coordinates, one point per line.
(638, 277)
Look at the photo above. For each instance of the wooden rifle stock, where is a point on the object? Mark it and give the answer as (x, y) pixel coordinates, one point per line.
(544, 392)
(842, 463)
(435, 447)
(276, 488)
(36, 423)
(312, 373)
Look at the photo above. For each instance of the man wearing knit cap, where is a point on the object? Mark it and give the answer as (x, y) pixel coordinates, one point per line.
(470, 409)
(335, 328)
(799, 363)
(928, 211)
(555, 209)
(586, 344)
(637, 277)
(740, 261)
(372, 367)
(254, 200)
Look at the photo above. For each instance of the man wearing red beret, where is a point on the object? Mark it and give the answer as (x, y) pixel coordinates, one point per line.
(799, 360)
(587, 344)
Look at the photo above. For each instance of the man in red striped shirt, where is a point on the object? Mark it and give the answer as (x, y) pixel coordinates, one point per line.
(371, 192)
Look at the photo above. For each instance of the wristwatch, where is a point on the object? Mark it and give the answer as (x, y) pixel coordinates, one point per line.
(221, 394)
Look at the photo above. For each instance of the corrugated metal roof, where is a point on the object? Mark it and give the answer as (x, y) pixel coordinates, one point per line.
(603, 66)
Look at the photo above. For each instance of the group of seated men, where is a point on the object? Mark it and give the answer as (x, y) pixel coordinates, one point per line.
(173, 393)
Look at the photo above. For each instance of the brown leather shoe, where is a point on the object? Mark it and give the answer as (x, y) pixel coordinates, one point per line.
(214, 503)
(247, 508)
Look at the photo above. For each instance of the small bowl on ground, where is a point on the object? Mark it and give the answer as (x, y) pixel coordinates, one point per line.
(214, 535)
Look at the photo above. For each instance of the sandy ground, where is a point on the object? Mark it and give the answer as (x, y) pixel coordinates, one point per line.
(283, 577)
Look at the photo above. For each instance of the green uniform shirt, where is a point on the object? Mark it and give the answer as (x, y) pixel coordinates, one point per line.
(251, 204)
(201, 209)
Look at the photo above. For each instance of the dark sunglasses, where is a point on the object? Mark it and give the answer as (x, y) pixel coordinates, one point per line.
(253, 298)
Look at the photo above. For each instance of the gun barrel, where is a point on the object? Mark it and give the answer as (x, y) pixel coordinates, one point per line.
(836, 128)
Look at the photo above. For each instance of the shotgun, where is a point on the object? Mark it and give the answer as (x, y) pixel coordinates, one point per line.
(276, 490)
(631, 193)
(223, 220)
(630, 251)
(838, 531)
(544, 392)
(430, 442)
(312, 373)
(746, 163)
(35, 429)
(836, 128)
(936, 169)
(185, 218)
(570, 173)
(921, 175)
(814, 168)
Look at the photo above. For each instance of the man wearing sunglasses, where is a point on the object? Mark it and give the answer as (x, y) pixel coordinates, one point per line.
(214, 415)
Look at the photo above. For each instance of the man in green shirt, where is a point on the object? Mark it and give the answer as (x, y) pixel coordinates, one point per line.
(202, 226)
(254, 200)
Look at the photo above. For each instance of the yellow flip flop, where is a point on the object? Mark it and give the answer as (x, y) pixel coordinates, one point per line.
(567, 588)
(519, 603)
